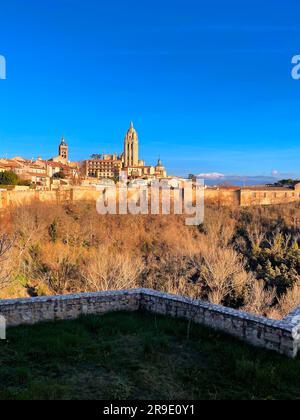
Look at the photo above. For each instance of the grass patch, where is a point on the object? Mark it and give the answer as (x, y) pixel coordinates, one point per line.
(138, 356)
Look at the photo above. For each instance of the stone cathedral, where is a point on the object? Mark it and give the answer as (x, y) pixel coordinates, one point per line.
(128, 162)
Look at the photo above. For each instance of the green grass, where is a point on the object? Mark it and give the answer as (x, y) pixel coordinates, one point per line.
(138, 356)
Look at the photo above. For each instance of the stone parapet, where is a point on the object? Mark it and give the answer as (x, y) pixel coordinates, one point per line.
(281, 336)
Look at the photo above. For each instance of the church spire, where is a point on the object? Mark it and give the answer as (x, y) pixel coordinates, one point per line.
(63, 142)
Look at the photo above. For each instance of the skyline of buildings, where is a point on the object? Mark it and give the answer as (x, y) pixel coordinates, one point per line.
(101, 165)
(128, 162)
(57, 170)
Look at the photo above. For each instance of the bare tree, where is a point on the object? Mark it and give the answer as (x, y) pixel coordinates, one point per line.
(221, 271)
(255, 235)
(6, 244)
(111, 271)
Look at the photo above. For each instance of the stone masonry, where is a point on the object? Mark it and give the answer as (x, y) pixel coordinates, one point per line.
(222, 196)
(281, 336)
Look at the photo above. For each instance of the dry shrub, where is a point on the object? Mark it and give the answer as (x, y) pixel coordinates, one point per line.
(220, 226)
(258, 300)
(183, 287)
(222, 272)
(256, 235)
(289, 301)
(58, 267)
(70, 248)
(172, 273)
(108, 270)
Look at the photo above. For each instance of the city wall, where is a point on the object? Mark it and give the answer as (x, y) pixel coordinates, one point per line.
(16, 198)
(218, 196)
(267, 197)
(280, 336)
(222, 197)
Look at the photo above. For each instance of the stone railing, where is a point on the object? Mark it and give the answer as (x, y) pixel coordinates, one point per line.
(281, 336)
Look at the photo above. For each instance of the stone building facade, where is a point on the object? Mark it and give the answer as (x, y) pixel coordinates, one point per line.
(107, 167)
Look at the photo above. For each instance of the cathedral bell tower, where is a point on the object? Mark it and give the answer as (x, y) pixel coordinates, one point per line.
(131, 147)
(63, 150)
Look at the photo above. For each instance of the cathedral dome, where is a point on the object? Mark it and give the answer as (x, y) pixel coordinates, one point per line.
(159, 164)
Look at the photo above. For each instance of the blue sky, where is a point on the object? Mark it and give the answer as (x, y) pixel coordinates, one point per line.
(207, 83)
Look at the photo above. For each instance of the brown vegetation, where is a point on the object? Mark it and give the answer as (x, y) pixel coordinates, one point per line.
(244, 258)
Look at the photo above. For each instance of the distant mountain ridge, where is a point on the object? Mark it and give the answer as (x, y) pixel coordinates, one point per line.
(238, 180)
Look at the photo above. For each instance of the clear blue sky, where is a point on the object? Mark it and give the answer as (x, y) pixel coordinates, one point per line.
(207, 83)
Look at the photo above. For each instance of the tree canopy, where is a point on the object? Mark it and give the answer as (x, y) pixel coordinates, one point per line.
(9, 178)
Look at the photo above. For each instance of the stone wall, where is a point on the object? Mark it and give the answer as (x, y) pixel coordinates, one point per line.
(281, 336)
(261, 197)
(53, 308)
(85, 194)
(222, 197)
(219, 196)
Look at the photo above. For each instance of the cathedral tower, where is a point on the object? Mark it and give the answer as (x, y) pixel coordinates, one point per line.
(63, 150)
(131, 147)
